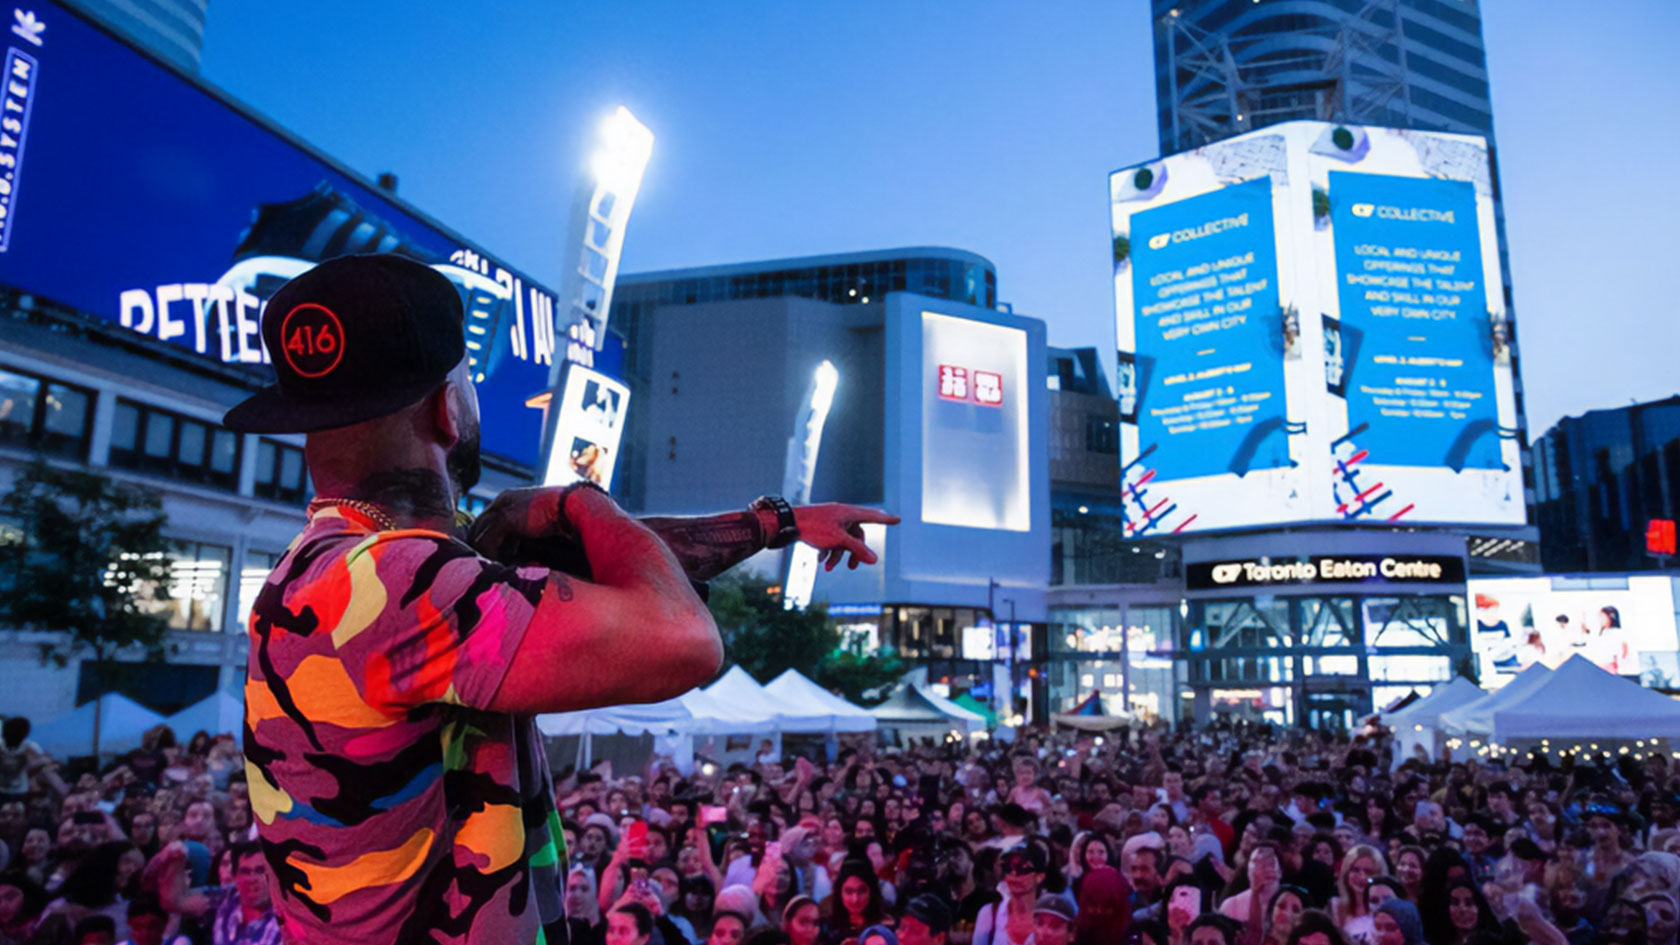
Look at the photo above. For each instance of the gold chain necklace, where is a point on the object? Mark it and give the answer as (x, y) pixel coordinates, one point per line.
(379, 516)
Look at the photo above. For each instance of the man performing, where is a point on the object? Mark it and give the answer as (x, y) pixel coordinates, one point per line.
(400, 787)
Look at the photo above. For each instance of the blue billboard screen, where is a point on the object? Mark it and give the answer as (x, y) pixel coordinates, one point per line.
(1209, 346)
(1408, 251)
(142, 199)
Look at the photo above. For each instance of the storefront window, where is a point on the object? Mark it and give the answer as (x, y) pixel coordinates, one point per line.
(251, 577)
(1413, 621)
(1329, 621)
(1261, 623)
(198, 586)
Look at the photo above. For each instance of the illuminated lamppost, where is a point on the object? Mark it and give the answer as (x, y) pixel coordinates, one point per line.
(595, 240)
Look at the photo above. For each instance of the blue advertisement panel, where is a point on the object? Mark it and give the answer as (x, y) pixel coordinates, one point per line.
(1209, 356)
(1420, 389)
(131, 194)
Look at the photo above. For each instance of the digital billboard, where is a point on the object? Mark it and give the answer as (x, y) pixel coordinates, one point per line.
(1311, 327)
(588, 429)
(1625, 625)
(134, 195)
(976, 469)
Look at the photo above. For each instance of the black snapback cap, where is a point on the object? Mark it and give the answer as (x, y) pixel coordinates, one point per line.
(353, 339)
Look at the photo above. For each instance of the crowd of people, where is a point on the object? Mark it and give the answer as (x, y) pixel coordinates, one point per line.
(1229, 835)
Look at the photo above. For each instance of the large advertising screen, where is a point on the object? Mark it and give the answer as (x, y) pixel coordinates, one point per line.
(1311, 327)
(976, 469)
(133, 195)
(1625, 625)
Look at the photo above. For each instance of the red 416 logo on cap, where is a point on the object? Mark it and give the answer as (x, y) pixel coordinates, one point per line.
(974, 387)
(312, 339)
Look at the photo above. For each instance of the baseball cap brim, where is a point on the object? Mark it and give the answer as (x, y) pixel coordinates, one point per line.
(270, 410)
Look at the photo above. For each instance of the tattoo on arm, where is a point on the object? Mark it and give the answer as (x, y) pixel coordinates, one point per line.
(710, 545)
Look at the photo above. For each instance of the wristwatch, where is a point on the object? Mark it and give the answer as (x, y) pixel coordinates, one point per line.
(787, 529)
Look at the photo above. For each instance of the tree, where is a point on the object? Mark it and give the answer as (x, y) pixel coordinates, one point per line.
(88, 558)
(761, 637)
(860, 675)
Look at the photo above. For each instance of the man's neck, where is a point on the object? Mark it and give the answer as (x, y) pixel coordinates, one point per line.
(413, 497)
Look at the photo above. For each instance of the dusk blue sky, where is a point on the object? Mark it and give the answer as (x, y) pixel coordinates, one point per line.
(789, 128)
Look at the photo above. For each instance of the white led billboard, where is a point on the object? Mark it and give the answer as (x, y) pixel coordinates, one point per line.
(1311, 327)
(586, 434)
(976, 469)
(1625, 625)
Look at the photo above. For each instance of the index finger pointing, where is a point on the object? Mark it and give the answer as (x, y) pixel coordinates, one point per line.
(874, 516)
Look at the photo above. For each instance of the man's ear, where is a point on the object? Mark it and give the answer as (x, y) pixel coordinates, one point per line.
(444, 416)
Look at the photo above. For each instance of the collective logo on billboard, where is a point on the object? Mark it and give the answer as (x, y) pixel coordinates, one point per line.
(195, 213)
(1311, 327)
(1626, 626)
(976, 471)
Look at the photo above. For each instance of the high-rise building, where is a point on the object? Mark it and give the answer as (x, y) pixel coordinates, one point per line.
(1601, 478)
(840, 280)
(936, 409)
(1317, 618)
(1224, 67)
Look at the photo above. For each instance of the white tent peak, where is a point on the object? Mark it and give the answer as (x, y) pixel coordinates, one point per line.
(1443, 698)
(1579, 700)
(122, 724)
(1476, 717)
(793, 688)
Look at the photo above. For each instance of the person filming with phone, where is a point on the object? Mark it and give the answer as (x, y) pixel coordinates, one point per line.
(400, 788)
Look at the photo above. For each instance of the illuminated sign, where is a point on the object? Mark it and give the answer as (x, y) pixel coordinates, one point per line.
(1311, 327)
(1324, 569)
(1624, 624)
(190, 212)
(590, 425)
(854, 610)
(18, 99)
(1660, 536)
(976, 471)
(985, 390)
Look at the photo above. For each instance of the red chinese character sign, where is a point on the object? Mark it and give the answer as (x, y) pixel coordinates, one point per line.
(1660, 536)
(986, 388)
(953, 382)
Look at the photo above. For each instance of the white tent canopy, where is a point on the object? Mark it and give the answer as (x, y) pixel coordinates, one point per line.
(1427, 711)
(218, 713)
(693, 713)
(792, 689)
(1579, 701)
(740, 692)
(916, 713)
(1476, 717)
(122, 723)
(1418, 726)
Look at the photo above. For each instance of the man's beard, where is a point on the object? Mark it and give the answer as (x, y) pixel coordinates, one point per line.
(463, 463)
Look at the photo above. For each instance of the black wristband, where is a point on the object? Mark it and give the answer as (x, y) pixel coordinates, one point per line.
(787, 528)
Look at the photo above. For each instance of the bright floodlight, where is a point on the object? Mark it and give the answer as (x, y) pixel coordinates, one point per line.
(626, 146)
(822, 391)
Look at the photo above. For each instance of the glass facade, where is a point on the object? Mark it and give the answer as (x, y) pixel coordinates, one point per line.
(149, 439)
(198, 586)
(1321, 660)
(37, 413)
(1122, 653)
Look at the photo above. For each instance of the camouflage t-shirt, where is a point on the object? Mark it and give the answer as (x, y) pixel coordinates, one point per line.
(392, 807)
